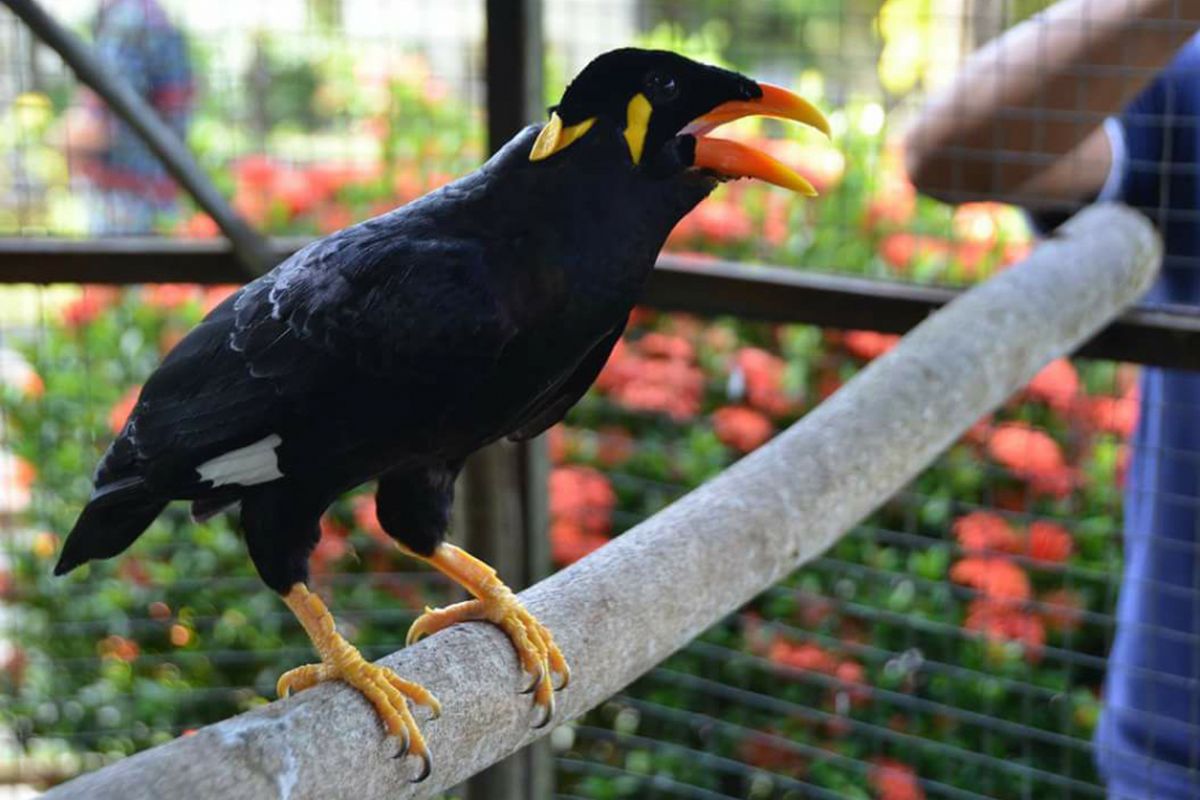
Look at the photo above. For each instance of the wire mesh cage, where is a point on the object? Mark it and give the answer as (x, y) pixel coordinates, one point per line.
(955, 644)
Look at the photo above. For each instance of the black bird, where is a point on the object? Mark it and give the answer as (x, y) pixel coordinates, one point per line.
(395, 348)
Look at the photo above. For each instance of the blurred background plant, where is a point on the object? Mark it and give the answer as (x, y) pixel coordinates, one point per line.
(953, 645)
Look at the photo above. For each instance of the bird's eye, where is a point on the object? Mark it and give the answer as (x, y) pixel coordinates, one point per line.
(660, 87)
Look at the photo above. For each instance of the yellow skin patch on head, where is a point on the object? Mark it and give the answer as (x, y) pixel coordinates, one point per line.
(637, 121)
(555, 137)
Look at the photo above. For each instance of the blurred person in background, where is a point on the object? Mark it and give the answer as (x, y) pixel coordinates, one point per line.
(129, 189)
(1100, 100)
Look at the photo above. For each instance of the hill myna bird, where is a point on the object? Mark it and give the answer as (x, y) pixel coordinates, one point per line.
(395, 348)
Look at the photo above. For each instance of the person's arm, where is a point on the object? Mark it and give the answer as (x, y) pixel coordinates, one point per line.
(1023, 120)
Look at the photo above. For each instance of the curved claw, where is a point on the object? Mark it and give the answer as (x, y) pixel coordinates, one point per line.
(533, 684)
(565, 676)
(426, 767)
(547, 713)
(405, 744)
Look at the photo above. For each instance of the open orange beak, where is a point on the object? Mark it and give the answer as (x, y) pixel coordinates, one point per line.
(733, 160)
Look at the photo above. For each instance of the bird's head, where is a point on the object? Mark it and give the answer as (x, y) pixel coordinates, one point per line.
(664, 105)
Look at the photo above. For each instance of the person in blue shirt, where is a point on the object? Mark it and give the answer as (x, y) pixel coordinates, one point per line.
(1100, 100)
(130, 189)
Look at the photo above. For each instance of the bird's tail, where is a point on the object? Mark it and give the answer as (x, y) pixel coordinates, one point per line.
(116, 515)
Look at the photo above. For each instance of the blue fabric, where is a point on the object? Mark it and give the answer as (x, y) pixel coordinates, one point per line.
(137, 40)
(1148, 742)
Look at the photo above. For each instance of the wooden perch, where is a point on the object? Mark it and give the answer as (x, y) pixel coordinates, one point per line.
(626, 607)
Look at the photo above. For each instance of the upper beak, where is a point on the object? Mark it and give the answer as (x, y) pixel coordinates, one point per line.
(736, 160)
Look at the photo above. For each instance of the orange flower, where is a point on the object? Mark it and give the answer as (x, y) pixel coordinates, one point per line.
(90, 304)
(661, 345)
(556, 443)
(367, 521)
(985, 532)
(614, 447)
(894, 780)
(569, 542)
(170, 296)
(330, 547)
(1117, 415)
(770, 751)
(1062, 610)
(997, 578)
(1056, 385)
(583, 496)
(1049, 541)
(902, 250)
(1032, 456)
(894, 204)
(640, 383)
(215, 295)
(854, 681)
(121, 410)
(118, 647)
(741, 428)
(762, 373)
(804, 656)
(868, 345)
(1004, 622)
(198, 226)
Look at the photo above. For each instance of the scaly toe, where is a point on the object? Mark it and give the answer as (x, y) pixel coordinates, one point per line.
(301, 678)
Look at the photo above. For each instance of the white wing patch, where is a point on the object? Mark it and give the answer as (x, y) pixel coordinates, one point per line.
(246, 466)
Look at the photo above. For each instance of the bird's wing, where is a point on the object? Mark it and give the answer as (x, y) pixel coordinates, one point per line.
(553, 405)
(359, 313)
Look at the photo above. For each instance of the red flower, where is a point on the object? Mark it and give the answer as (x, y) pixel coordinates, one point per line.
(641, 383)
(768, 750)
(985, 532)
(762, 373)
(614, 446)
(902, 250)
(90, 304)
(368, 522)
(170, 296)
(330, 547)
(1062, 610)
(804, 656)
(741, 428)
(556, 443)
(894, 780)
(661, 345)
(854, 679)
(1005, 622)
(118, 647)
(1049, 541)
(569, 542)
(1117, 415)
(582, 496)
(123, 408)
(868, 345)
(215, 295)
(198, 226)
(1032, 456)
(997, 578)
(893, 205)
(1056, 385)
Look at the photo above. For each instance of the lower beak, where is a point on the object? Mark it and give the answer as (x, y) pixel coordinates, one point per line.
(734, 160)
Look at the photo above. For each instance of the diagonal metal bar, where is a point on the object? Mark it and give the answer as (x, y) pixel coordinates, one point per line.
(627, 606)
(252, 249)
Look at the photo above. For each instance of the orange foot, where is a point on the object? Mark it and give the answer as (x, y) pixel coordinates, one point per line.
(494, 602)
(384, 689)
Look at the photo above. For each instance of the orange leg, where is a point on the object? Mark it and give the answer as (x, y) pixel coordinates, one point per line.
(494, 602)
(385, 690)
